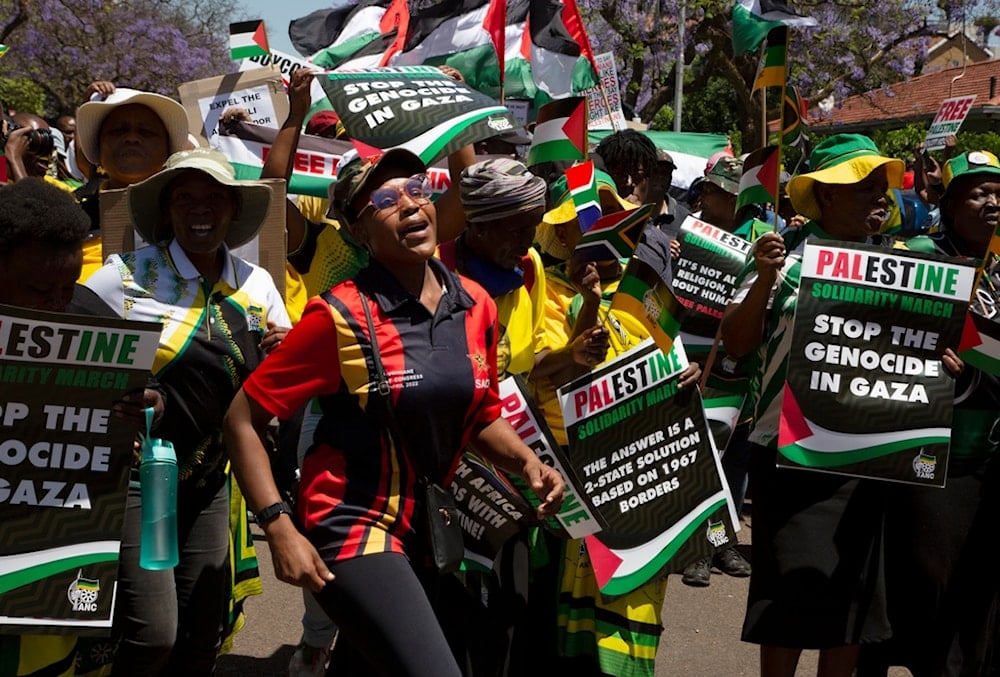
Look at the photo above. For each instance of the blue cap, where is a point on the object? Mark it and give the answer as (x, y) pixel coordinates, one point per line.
(156, 449)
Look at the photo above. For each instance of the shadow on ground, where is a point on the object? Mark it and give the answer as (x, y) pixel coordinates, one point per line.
(250, 666)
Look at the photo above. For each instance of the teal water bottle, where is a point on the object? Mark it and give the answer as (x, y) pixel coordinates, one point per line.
(158, 483)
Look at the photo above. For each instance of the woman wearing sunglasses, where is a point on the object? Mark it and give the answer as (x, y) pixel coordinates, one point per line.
(362, 548)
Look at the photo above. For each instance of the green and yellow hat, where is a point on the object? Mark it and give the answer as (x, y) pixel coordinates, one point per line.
(967, 164)
(840, 159)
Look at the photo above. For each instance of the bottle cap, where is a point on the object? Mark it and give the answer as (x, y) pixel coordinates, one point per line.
(156, 449)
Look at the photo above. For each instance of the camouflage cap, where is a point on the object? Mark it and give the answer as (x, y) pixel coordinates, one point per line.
(726, 173)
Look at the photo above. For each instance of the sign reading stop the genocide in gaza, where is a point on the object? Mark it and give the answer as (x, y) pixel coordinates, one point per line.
(948, 120)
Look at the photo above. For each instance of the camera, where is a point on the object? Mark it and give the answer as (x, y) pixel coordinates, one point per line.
(40, 141)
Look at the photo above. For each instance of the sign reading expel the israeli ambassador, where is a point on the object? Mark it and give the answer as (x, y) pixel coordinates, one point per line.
(64, 465)
(867, 393)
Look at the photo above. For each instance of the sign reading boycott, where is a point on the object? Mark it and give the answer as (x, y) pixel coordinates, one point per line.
(64, 464)
(644, 452)
(415, 107)
(705, 274)
(867, 394)
(948, 120)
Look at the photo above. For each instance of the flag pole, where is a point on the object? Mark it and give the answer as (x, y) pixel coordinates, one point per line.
(781, 129)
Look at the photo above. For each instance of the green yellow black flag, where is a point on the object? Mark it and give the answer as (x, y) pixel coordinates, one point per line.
(644, 295)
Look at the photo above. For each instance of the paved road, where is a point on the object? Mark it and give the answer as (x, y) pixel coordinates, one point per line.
(701, 638)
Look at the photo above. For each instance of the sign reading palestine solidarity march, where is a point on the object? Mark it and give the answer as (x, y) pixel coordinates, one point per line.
(414, 107)
(64, 464)
(867, 393)
(643, 450)
(704, 276)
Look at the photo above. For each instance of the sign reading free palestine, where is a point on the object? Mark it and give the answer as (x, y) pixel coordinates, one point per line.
(64, 465)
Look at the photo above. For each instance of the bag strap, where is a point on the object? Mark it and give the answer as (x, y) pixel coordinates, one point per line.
(382, 385)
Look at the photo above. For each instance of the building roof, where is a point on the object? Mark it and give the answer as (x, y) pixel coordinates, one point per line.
(916, 99)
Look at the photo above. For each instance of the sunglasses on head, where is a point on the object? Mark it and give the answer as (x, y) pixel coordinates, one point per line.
(417, 188)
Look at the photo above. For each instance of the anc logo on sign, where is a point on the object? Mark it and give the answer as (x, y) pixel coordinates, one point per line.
(83, 592)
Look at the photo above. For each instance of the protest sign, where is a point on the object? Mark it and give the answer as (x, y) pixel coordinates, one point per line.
(643, 450)
(286, 65)
(414, 107)
(64, 465)
(950, 116)
(259, 92)
(705, 274)
(489, 508)
(600, 117)
(866, 392)
(577, 517)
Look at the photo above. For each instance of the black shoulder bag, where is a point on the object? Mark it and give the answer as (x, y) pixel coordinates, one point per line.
(443, 531)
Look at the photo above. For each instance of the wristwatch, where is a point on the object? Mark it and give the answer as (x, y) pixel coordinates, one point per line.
(272, 511)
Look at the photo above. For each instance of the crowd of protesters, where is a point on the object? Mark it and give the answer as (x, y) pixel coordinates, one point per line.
(869, 573)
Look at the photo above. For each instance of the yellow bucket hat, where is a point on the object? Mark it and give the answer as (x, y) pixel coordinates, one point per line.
(565, 211)
(840, 159)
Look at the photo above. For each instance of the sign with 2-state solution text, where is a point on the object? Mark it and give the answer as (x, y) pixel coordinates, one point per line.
(950, 116)
(867, 393)
(64, 465)
(644, 452)
(414, 107)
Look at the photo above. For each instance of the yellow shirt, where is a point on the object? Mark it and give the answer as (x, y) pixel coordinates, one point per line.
(521, 319)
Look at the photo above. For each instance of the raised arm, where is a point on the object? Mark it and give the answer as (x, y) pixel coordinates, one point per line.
(743, 323)
(281, 158)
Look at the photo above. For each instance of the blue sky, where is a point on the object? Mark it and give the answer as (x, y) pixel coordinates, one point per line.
(276, 15)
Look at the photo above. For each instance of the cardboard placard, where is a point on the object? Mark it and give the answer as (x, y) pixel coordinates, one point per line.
(267, 250)
(950, 116)
(260, 92)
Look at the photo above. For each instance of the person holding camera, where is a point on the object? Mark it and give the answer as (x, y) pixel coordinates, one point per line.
(28, 147)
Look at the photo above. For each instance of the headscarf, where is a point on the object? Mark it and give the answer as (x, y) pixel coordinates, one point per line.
(498, 188)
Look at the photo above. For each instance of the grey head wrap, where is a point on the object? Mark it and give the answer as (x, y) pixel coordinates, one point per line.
(498, 188)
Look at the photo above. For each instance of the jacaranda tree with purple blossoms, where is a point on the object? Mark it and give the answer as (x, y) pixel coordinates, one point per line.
(858, 46)
(64, 45)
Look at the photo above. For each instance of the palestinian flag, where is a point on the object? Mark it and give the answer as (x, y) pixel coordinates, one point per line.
(644, 295)
(613, 236)
(772, 67)
(980, 345)
(581, 180)
(550, 59)
(690, 150)
(793, 112)
(246, 39)
(754, 19)
(560, 132)
(759, 182)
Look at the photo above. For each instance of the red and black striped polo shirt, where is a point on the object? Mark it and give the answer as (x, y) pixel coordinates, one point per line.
(357, 491)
